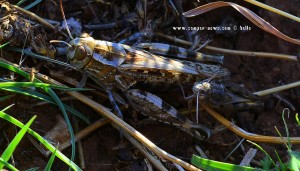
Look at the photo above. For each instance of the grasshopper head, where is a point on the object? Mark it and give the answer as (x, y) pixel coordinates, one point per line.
(202, 88)
(80, 51)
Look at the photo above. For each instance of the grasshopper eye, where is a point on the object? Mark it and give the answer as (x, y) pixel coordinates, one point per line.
(80, 53)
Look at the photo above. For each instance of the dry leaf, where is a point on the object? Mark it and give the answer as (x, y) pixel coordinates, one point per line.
(255, 19)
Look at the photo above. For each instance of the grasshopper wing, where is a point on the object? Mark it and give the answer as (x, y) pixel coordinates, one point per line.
(142, 60)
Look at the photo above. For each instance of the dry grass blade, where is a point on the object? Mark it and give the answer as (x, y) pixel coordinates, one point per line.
(233, 52)
(140, 137)
(248, 157)
(277, 11)
(34, 16)
(37, 18)
(255, 19)
(249, 136)
(277, 89)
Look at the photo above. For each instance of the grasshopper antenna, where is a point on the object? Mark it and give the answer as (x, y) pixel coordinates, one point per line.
(64, 17)
(67, 27)
(61, 41)
(212, 77)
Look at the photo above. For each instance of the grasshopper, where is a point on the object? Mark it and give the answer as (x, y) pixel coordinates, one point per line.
(119, 66)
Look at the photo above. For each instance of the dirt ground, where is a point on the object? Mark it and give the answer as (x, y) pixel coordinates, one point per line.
(103, 149)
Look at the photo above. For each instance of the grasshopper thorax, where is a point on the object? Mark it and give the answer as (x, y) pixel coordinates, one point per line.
(81, 51)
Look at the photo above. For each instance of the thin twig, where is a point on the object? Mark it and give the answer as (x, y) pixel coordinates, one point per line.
(234, 149)
(90, 6)
(286, 102)
(232, 52)
(272, 9)
(37, 18)
(277, 89)
(34, 16)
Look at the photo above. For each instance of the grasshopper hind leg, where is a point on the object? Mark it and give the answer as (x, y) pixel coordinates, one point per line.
(154, 107)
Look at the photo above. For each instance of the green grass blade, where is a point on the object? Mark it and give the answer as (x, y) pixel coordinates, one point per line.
(7, 165)
(39, 85)
(286, 144)
(62, 108)
(50, 162)
(294, 163)
(46, 98)
(40, 139)
(15, 69)
(282, 165)
(6, 108)
(32, 4)
(297, 119)
(33, 169)
(207, 164)
(13, 144)
(20, 2)
(6, 97)
(286, 127)
(266, 163)
(77, 113)
(3, 45)
(53, 96)
(28, 92)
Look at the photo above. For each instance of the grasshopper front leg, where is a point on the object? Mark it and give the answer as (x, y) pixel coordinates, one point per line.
(154, 107)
